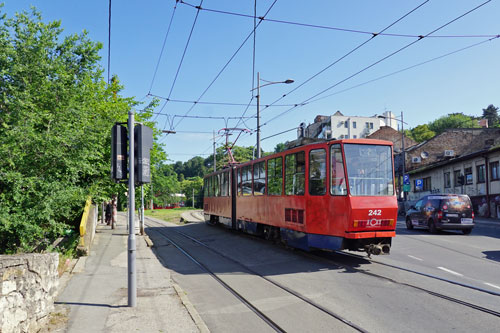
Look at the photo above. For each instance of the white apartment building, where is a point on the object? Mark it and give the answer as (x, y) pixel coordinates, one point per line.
(339, 126)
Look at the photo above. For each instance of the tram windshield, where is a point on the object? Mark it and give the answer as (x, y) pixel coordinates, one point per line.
(369, 170)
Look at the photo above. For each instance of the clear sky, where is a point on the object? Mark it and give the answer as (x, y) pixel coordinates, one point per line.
(213, 70)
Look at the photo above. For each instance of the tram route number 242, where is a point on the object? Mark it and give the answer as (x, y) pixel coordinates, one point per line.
(374, 212)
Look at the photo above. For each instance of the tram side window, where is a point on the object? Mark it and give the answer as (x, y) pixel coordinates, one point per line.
(338, 185)
(295, 165)
(246, 175)
(275, 176)
(239, 189)
(216, 186)
(223, 185)
(317, 172)
(259, 178)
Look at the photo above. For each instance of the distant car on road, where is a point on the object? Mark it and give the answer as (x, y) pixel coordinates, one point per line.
(442, 212)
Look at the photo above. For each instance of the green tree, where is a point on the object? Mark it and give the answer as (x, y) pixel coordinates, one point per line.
(190, 186)
(452, 120)
(165, 185)
(279, 148)
(491, 113)
(56, 113)
(420, 133)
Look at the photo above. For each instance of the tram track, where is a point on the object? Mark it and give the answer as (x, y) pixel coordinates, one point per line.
(234, 292)
(344, 265)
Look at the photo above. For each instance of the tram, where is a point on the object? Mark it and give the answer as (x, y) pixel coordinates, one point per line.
(332, 195)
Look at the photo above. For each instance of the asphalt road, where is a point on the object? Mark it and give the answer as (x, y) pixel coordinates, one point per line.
(395, 293)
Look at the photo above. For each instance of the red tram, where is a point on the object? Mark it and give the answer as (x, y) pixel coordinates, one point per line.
(332, 195)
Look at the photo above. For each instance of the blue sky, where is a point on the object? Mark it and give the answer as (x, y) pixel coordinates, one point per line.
(466, 81)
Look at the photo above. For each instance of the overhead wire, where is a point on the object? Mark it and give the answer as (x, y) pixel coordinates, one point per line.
(163, 48)
(172, 100)
(329, 27)
(183, 55)
(228, 62)
(336, 61)
(378, 61)
(407, 68)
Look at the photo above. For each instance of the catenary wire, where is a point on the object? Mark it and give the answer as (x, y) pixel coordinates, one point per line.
(406, 68)
(162, 48)
(173, 100)
(378, 61)
(348, 53)
(330, 27)
(227, 63)
(183, 55)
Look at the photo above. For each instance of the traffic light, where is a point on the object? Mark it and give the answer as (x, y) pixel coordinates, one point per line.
(143, 142)
(118, 152)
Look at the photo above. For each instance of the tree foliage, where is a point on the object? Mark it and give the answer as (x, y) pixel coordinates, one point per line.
(452, 120)
(421, 133)
(56, 113)
(491, 113)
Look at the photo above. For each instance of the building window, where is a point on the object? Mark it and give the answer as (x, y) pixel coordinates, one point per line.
(367, 125)
(456, 178)
(468, 176)
(346, 124)
(354, 136)
(427, 184)
(494, 175)
(353, 124)
(295, 165)
(480, 173)
(317, 172)
(371, 125)
(259, 178)
(447, 180)
(275, 176)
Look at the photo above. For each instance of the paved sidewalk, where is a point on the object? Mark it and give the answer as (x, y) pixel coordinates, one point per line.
(96, 295)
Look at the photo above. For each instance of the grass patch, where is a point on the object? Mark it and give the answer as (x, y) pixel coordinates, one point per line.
(169, 215)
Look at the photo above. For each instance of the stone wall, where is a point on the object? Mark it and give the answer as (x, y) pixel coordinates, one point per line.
(28, 286)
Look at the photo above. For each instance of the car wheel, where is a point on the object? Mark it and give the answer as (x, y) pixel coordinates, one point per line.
(432, 226)
(466, 231)
(409, 226)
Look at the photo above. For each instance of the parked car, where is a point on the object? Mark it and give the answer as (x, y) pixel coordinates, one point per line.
(442, 212)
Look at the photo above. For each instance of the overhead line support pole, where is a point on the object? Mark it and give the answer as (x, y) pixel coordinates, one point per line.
(132, 276)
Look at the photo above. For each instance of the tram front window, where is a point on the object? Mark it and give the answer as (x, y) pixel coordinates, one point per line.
(369, 170)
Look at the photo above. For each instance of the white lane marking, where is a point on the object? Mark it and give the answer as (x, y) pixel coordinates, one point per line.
(450, 271)
(415, 258)
(491, 285)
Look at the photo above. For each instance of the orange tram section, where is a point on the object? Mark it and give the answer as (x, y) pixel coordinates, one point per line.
(332, 195)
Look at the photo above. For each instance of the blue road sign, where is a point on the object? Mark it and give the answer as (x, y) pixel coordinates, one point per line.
(406, 179)
(419, 184)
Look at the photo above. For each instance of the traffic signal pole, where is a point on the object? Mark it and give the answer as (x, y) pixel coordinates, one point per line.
(132, 276)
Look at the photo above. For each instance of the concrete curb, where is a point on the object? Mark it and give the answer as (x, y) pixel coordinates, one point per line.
(148, 240)
(79, 266)
(191, 309)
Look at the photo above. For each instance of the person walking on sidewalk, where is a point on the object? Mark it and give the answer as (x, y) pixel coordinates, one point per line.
(108, 213)
(114, 211)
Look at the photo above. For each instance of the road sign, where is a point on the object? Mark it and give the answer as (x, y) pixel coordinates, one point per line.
(419, 184)
(406, 179)
(406, 187)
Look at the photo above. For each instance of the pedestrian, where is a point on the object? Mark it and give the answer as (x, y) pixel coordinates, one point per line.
(114, 211)
(108, 213)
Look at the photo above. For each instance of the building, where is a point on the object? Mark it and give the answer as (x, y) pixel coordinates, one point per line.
(462, 161)
(339, 126)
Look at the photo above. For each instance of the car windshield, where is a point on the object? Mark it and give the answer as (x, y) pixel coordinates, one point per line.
(369, 170)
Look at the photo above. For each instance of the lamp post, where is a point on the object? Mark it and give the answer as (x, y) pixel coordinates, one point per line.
(402, 149)
(288, 81)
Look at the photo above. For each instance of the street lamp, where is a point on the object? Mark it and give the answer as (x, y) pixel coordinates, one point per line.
(288, 81)
(402, 148)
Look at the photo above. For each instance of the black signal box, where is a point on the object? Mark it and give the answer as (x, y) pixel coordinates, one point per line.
(143, 142)
(119, 152)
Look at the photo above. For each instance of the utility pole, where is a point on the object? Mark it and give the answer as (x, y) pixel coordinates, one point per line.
(258, 115)
(132, 277)
(142, 209)
(215, 158)
(193, 197)
(403, 152)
